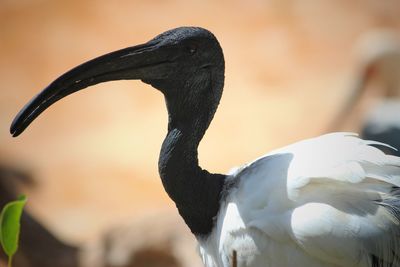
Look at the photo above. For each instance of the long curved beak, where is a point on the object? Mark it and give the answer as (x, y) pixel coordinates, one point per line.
(146, 62)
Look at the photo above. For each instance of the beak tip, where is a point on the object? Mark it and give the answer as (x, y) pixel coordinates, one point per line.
(14, 134)
(14, 129)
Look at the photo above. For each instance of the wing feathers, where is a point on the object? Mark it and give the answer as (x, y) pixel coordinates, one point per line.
(343, 198)
(367, 182)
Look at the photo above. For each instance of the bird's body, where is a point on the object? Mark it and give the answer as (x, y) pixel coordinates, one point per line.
(331, 201)
(326, 201)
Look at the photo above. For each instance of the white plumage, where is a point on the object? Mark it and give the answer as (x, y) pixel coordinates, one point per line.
(327, 201)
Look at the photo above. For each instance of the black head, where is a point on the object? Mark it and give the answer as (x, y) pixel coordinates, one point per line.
(186, 64)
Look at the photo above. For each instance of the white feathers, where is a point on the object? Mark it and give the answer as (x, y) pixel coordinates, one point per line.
(326, 201)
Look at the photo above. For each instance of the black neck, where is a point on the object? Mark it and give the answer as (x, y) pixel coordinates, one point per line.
(195, 191)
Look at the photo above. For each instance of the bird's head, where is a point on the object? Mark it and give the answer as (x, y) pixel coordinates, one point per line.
(186, 64)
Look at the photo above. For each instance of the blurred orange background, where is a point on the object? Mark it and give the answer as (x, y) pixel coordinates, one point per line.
(94, 154)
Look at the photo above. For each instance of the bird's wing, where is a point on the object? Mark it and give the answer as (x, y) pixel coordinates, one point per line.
(336, 196)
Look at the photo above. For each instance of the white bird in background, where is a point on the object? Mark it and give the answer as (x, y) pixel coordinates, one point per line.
(328, 201)
(377, 77)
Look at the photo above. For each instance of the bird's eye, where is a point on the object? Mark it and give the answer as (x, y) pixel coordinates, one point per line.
(192, 49)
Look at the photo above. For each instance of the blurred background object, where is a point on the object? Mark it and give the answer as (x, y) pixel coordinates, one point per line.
(288, 64)
(38, 246)
(374, 97)
(153, 240)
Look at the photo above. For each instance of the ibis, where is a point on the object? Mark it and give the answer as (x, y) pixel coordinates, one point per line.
(377, 74)
(328, 201)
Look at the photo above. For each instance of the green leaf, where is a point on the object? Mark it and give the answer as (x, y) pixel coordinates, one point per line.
(10, 225)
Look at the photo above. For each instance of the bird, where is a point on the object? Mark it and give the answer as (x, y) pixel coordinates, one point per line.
(377, 72)
(331, 200)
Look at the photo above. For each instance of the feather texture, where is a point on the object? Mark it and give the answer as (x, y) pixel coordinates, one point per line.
(333, 200)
